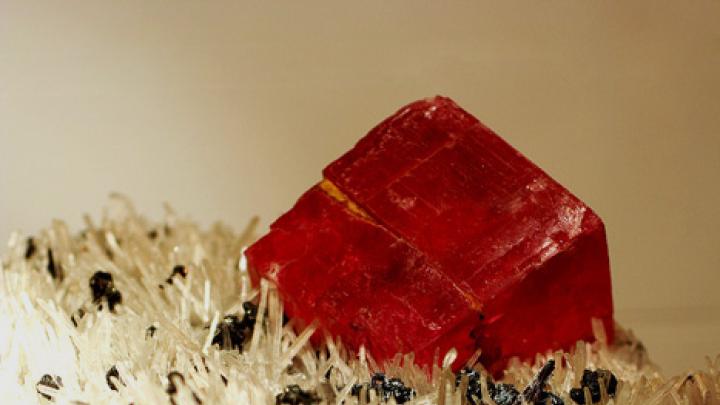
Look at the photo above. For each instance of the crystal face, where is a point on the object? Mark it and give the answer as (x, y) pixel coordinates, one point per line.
(433, 232)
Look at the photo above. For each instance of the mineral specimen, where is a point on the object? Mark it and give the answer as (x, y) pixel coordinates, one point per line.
(432, 233)
(294, 395)
(102, 286)
(49, 381)
(595, 382)
(232, 332)
(112, 377)
(385, 388)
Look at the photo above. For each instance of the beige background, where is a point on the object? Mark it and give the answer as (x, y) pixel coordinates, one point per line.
(232, 109)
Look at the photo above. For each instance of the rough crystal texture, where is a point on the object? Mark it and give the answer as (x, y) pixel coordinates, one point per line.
(434, 232)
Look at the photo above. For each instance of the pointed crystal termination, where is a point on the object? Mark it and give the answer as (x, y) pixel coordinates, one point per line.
(433, 233)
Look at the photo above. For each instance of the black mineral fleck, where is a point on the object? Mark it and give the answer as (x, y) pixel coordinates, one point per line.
(54, 269)
(534, 392)
(102, 286)
(595, 382)
(178, 270)
(110, 375)
(357, 388)
(473, 394)
(150, 331)
(504, 394)
(508, 394)
(114, 298)
(232, 331)
(30, 248)
(294, 395)
(49, 381)
(76, 316)
(174, 378)
(398, 390)
(385, 388)
(249, 313)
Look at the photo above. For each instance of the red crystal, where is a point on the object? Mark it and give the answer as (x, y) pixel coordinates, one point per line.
(432, 233)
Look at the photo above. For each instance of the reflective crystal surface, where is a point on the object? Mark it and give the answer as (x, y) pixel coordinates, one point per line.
(433, 232)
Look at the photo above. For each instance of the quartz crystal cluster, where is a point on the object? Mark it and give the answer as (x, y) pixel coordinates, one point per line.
(210, 337)
(434, 233)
